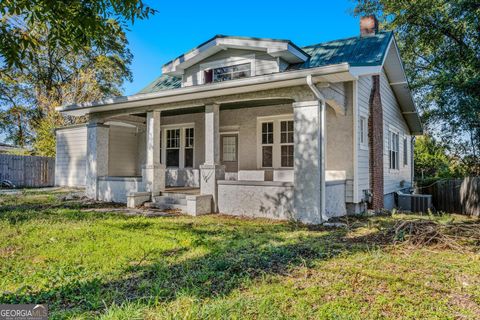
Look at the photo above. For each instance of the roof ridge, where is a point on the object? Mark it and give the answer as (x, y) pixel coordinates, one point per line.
(344, 39)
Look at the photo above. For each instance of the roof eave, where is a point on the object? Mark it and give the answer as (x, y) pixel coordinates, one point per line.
(284, 79)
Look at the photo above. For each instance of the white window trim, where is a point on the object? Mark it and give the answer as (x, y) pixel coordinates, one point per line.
(363, 145)
(182, 127)
(405, 153)
(227, 62)
(397, 132)
(276, 149)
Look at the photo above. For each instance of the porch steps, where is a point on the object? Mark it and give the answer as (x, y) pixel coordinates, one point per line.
(170, 201)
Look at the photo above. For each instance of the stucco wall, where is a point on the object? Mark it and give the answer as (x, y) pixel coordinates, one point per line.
(70, 162)
(115, 189)
(256, 199)
(273, 200)
(122, 151)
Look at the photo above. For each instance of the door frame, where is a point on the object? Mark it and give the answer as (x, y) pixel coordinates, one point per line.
(230, 133)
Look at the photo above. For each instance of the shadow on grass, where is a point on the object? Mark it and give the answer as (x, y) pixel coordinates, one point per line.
(233, 259)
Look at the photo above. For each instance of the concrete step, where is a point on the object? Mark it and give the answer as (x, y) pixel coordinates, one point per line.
(174, 195)
(170, 206)
(170, 200)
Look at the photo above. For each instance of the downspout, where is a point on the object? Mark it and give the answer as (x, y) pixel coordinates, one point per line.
(321, 142)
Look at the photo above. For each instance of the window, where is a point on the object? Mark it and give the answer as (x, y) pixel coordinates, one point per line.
(405, 151)
(173, 147)
(286, 142)
(363, 131)
(189, 144)
(393, 150)
(229, 73)
(229, 151)
(267, 144)
(275, 138)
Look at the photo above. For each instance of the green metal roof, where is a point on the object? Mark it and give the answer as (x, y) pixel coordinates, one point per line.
(356, 51)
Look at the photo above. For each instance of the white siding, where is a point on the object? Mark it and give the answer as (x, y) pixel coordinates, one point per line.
(70, 163)
(393, 119)
(122, 151)
(364, 85)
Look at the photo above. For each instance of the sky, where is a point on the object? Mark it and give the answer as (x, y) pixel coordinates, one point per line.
(179, 26)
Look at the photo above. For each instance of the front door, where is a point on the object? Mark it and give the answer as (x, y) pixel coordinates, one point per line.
(229, 152)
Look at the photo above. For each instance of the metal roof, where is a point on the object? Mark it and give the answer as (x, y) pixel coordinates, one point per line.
(356, 51)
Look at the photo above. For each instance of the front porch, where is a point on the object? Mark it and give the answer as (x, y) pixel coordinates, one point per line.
(260, 158)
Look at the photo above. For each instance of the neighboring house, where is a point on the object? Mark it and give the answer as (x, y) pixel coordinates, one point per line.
(262, 127)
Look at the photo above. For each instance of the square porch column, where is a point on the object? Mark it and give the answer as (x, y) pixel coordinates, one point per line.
(309, 161)
(212, 170)
(97, 157)
(153, 173)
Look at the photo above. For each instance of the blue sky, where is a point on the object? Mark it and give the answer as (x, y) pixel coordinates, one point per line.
(182, 25)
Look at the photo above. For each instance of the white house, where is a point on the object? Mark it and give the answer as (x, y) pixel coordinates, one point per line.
(256, 127)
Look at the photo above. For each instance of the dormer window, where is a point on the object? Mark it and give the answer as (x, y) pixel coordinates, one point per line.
(220, 74)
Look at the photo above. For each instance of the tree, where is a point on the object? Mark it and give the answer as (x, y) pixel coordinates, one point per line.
(440, 44)
(432, 159)
(75, 24)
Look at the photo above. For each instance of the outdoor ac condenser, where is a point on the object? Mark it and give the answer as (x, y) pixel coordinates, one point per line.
(414, 202)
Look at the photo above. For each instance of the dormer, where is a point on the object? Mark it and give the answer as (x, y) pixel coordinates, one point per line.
(224, 58)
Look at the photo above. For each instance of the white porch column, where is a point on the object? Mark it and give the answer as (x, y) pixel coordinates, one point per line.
(212, 170)
(153, 173)
(309, 161)
(97, 157)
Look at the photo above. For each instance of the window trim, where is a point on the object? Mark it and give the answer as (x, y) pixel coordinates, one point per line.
(363, 144)
(392, 132)
(163, 152)
(276, 146)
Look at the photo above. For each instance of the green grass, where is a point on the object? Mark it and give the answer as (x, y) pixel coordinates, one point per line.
(86, 264)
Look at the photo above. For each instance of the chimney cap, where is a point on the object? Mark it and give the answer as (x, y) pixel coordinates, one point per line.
(368, 25)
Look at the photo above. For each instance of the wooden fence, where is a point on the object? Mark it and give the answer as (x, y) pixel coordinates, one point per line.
(456, 195)
(27, 171)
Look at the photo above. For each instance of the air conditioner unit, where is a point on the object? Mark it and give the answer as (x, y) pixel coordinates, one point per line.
(414, 202)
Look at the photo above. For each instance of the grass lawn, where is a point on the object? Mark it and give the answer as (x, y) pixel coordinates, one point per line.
(86, 264)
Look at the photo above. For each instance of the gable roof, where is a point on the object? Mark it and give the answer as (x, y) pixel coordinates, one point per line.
(356, 51)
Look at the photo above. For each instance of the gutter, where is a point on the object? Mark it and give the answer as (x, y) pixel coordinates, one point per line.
(321, 142)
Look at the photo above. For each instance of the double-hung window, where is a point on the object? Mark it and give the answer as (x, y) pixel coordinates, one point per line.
(276, 142)
(267, 144)
(363, 131)
(173, 147)
(393, 150)
(178, 146)
(286, 143)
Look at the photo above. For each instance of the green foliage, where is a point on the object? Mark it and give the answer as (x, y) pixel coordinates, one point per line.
(89, 265)
(52, 58)
(439, 41)
(431, 159)
(74, 24)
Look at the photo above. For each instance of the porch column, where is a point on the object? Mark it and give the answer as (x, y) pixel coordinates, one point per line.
(97, 157)
(309, 161)
(153, 173)
(212, 170)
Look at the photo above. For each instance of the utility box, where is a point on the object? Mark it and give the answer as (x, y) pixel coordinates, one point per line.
(414, 202)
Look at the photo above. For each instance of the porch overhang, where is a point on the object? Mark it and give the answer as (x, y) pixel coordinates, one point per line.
(328, 74)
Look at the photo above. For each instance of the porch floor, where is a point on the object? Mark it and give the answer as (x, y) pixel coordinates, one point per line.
(183, 190)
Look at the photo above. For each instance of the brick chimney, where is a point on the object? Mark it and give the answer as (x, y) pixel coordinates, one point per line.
(368, 26)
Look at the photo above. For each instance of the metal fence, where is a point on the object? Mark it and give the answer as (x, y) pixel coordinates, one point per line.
(27, 171)
(456, 195)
